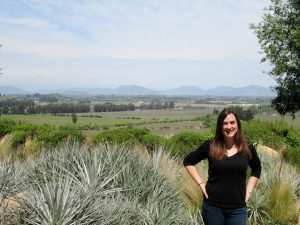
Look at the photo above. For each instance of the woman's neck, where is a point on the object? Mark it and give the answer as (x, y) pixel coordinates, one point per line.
(229, 143)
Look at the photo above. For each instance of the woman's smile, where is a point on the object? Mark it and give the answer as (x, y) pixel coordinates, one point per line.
(229, 126)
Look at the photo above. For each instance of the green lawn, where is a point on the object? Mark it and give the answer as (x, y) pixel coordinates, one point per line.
(113, 118)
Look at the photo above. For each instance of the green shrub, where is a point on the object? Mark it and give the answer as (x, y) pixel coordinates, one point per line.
(138, 133)
(45, 133)
(6, 126)
(292, 155)
(50, 136)
(266, 133)
(280, 128)
(151, 141)
(19, 138)
(185, 142)
(209, 121)
(105, 127)
(54, 138)
(293, 137)
(76, 136)
(73, 134)
(130, 136)
(25, 126)
(118, 136)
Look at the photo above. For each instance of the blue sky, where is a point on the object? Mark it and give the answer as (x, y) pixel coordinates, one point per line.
(157, 44)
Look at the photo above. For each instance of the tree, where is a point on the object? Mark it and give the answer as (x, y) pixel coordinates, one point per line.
(171, 104)
(74, 118)
(216, 112)
(245, 115)
(279, 37)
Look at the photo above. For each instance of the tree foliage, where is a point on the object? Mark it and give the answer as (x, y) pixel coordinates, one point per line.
(279, 37)
(245, 114)
(74, 117)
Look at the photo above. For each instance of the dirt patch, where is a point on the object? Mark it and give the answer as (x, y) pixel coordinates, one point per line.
(10, 202)
(267, 150)
(5, 145)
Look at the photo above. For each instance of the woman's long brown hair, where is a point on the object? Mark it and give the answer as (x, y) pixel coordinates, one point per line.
(217, 146)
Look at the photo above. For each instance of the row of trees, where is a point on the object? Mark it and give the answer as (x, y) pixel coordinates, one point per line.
(110, 107)
(14, 106)
(158, 105)
(21, 107)
(244, 114)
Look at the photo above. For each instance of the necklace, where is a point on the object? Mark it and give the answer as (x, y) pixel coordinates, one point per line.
(229, 147)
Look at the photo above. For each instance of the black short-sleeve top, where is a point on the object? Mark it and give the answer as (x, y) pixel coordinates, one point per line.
(226, 184)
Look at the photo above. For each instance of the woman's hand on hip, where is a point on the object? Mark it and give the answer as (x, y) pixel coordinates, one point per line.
(248, 195)
(203, 189)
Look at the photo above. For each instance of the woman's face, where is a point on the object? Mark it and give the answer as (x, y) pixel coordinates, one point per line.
(230, 126)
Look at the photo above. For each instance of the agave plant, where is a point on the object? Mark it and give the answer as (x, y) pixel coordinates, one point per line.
(257, 208)
(103, 185)
(58, 202)
(10, 178)
(61, 199)
(153, 198)
(92, 173)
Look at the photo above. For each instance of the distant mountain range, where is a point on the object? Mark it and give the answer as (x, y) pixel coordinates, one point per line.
(251, 90)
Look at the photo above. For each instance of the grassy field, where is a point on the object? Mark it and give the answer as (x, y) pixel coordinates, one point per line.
(113, 118)
(276, 117)
(162, 122)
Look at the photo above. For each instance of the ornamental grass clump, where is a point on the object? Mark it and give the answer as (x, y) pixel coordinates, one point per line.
(190, 191)
(275, 198)
(282, 202)
(166, 164)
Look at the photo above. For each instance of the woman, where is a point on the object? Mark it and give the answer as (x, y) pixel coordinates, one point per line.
(225, 193)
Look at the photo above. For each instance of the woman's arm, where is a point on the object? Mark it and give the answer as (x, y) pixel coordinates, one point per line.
(250, 187)
(192, 170)
(255, 166)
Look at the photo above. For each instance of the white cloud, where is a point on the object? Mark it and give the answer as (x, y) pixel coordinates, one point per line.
(134, 29)
(42, 33)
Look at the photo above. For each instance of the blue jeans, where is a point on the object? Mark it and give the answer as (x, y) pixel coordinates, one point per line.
(213, 215)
